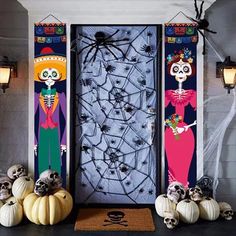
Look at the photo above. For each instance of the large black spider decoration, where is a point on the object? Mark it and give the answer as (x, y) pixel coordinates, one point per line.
(101, 40)
(202, 24)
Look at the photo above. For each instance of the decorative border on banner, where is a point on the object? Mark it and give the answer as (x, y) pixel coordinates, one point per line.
(180, 102)
(50, 98)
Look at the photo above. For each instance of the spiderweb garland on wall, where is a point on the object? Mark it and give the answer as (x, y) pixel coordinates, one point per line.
(116, 108)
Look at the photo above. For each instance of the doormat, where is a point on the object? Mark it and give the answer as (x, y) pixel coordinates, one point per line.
(114, 219)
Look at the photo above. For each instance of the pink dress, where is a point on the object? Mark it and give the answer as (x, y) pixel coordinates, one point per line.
(179, 152)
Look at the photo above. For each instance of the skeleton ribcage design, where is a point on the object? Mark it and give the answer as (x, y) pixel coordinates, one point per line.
(49, 100)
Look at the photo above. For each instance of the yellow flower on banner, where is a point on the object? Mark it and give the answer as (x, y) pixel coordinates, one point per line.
(190, 60)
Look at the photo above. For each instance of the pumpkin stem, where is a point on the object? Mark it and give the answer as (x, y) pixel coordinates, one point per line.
(27, 179)
(64, 196)
(207, 198)
(11, 203)
(187, 200)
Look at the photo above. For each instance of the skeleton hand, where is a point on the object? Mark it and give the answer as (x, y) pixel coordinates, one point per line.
(35, 149)
(177, 130)
(63, 149)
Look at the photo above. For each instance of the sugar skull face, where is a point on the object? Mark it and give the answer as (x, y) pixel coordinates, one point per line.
(181, 70)
(49, 76)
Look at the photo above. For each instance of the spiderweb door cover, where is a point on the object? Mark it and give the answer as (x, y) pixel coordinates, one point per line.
(116, 113)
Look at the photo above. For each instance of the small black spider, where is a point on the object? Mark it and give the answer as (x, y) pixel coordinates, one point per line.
(147, 49)
(150, 191)
(202, 24)
(133, 59)
(105, 128)
(84, 185)
(128, 32)
(110, 68)
(124, 168)
(148, 71)
(113, 141)
(122, 128)
(112, 172)
(144, 163)
(100, 187)
(127, 183)
(117, 112)
(142, 82)
(129, 109)
(127, 68)
(100, 41)
(149, 34)
(141, 190)
(117, 81)
(85, 148)
(144, 126)
(138, 142)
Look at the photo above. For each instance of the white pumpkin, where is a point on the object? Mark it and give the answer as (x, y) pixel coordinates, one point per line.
(22, 187)
(11, 214)
(13, 199)
(209, 209)
(162, 204)
(188, 211)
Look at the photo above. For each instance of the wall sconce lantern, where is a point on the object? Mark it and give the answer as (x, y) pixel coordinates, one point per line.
(228, 68)
(8, 69)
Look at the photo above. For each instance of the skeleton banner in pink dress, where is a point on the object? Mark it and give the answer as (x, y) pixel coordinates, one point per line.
(180, 103)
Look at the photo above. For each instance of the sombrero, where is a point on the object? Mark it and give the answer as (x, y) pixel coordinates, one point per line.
(48, 59)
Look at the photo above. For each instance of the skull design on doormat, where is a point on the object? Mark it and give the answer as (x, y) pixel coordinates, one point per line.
(115, 218)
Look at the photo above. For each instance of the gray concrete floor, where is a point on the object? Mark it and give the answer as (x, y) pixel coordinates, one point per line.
(219, 227)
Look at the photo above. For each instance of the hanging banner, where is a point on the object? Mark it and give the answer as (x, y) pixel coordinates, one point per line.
(180, 103)
(50, 98)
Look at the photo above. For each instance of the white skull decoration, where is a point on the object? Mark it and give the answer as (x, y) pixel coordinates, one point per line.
(41, 187)
(195, 193)
(176, 191)
(181, 70)
(226, 210)
(16, 171)
(53, 178)
(5, 188)
(49, 76)
(171, 219)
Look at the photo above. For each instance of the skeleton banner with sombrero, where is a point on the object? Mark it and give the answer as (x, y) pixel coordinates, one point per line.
(50, 98)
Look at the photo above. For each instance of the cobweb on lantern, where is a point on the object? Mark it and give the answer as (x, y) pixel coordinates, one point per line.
(115, 114)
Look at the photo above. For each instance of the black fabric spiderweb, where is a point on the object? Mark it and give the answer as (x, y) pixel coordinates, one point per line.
(115, 114)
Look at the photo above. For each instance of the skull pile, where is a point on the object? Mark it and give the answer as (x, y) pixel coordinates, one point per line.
(176, 192)
(41, 187)
(5, 188)
(171, 219)
(226, 210)
(48, 181)
(16, 171)
(195, 193)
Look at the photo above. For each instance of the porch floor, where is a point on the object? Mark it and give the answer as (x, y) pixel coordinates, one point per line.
(203, 228)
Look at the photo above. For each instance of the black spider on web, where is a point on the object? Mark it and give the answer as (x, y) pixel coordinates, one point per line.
(202, 23)
(101, 40)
